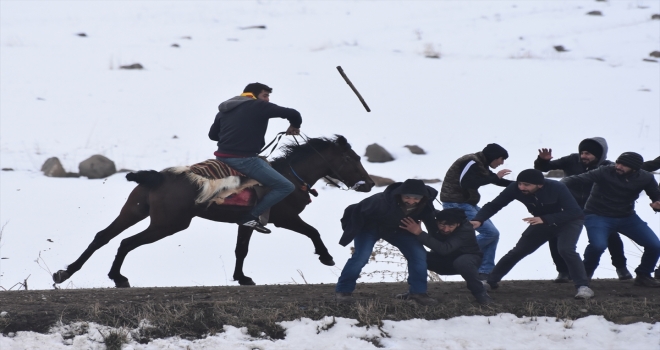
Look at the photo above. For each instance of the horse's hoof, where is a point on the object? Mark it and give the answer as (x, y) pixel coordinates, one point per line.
(123, 284)
(327, 260)
(61, 276)
(246, 281)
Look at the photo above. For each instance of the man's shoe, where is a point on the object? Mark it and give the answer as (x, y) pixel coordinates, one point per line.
(344, 297)
(624, 274)
(420, 298)
(646, 281)
(562, 277)
(252, 222)
(584, 292)
(483, 276)
(484, 298)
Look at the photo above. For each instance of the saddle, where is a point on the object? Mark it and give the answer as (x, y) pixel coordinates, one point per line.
(220, 184)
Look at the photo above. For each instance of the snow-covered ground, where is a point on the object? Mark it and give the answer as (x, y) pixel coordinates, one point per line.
(499, 79)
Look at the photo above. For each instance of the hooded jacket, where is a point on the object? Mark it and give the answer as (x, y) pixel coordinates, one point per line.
(383, 211)
(553, 203)
(462, 241)
(614, 195)
(241, 123)
(465, 176)
(572, 165)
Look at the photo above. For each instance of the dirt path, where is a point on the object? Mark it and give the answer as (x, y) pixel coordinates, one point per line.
(194, 311)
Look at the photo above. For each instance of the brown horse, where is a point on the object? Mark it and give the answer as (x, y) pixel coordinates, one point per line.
(169, 199)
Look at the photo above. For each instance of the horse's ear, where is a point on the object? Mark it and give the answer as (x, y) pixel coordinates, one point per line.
(341, 141)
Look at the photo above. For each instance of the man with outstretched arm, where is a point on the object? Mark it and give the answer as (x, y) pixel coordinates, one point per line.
(239, 128)
(555, 214)
(611, 208)
(378, 217)
(653, 165)
(454, 249)
(460, 189)
(592, 153)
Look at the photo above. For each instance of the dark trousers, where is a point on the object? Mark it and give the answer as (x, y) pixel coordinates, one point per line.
(533, 237)
(466, 265)
(614, 245)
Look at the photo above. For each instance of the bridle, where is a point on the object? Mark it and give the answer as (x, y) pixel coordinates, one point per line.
(308, 187)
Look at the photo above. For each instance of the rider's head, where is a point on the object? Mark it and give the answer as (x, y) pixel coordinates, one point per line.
(259, 90)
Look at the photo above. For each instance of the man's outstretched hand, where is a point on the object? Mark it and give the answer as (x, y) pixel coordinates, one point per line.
(411, 226)
(292, 131)
(545, 153)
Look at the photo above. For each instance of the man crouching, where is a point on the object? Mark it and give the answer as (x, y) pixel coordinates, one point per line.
(379, 217)
(454, 249)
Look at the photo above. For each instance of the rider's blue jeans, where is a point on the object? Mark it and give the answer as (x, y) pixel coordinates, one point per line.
(364, 242)
(258, 169)
(487, 238)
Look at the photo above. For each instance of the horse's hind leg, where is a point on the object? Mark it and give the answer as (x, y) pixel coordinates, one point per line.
(135, 210)
(153, 233)
(297, 224)
(242, 245)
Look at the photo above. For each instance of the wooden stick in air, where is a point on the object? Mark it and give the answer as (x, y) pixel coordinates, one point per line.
(341, 71)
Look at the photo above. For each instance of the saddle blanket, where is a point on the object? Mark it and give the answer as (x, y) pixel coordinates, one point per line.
(214, 169)
(244, 198)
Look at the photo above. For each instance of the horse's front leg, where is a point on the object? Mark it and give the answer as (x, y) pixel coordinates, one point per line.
(296, 224)
(242, 245)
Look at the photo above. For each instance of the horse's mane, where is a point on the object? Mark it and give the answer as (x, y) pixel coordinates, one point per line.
(293, 152)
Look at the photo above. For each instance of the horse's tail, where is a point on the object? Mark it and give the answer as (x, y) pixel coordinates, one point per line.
(150, 179)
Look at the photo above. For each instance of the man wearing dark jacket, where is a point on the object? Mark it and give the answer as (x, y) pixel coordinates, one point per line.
(379, 217)
(454, 249)
(239, 128)
(653, 165)
(611, 208)
(555, 214)
(592, 154)
(460, 189)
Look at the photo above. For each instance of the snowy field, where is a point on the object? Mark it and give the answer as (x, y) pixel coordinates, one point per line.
(498, 79)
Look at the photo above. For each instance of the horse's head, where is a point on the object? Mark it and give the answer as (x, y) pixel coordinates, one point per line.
(345, 165)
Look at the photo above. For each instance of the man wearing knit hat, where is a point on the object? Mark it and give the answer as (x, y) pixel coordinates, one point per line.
(611, 208)
(555, 214)
(460, 189)
(379, 217)
(592, 154)
(454, 249)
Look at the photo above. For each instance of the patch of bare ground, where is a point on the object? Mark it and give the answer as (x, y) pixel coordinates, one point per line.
(192, 312)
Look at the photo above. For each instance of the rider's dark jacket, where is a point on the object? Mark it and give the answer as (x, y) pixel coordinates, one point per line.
(383, 211)
(241, 123)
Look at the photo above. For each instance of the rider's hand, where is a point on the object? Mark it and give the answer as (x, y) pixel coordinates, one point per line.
(545, 153)
(475, 224)
(655, 205)
(292, 131)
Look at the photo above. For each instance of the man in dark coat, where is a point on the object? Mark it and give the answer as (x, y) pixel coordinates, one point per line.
(592, 153)
(379, 217)
(460, 189)
(653, 165)
(555, 214)
(454, 249)
(239, 128)
(611, 208)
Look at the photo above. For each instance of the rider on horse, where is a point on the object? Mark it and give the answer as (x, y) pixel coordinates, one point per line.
(239, 128)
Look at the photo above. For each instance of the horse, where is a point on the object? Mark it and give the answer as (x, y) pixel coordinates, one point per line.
(169, 198)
